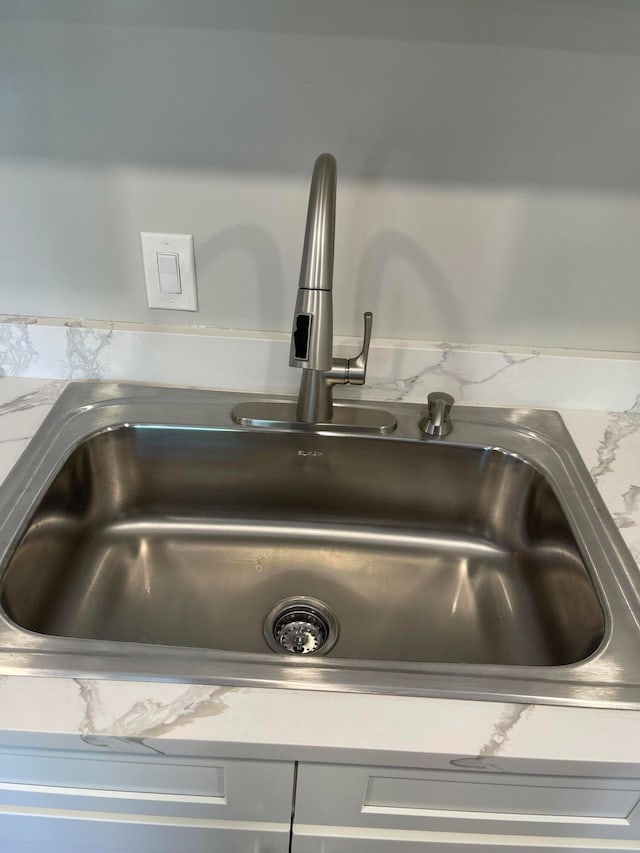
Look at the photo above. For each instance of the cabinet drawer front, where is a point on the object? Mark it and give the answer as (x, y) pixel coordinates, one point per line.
(454, 801)
(158, 785)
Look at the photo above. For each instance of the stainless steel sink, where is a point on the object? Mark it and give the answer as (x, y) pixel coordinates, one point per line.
(425, 552)
(147, 534)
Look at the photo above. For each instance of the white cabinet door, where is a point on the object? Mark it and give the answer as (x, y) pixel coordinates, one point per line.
(347, 809)
(207, 788)
(64, 802)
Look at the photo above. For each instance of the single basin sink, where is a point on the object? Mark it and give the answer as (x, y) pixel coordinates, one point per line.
(146, 533)
(425, 552)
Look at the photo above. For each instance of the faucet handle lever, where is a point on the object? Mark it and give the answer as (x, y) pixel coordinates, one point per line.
(357, 366)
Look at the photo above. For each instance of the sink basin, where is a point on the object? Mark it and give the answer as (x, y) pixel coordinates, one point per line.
(426, 552)
(147, 534)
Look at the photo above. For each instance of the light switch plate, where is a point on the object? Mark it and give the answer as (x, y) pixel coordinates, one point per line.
(182, 246)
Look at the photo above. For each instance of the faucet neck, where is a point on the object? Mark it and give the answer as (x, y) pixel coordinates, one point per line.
(316, 269)
(312, 334)
(315, 398)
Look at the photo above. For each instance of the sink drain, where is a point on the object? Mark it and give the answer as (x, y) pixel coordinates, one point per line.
(301, 626)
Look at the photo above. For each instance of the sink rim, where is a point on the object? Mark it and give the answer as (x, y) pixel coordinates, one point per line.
(607, 678)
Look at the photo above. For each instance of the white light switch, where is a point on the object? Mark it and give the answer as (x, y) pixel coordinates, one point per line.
(169, 271)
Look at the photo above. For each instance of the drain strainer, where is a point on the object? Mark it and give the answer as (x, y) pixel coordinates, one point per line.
(301, 626)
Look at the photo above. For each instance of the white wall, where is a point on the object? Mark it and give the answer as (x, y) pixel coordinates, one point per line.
(489, 157)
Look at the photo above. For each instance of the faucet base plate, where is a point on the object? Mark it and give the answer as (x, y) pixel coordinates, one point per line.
(345, 418)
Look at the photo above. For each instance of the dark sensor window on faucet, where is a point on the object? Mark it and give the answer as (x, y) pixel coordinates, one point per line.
(301, 336)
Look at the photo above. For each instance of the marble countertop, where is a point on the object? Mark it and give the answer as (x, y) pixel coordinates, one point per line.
(193, 719)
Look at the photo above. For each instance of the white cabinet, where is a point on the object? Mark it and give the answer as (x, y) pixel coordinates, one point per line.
(83, 803)
(342, 809)
(55, 802)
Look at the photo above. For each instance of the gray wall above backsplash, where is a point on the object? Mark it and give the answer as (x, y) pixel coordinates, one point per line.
(488, 155)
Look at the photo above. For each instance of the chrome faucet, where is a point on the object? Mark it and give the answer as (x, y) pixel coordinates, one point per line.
(312, 335)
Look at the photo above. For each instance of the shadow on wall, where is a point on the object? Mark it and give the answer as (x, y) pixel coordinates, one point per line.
(256, 85)
(260, 247)
(270, 297)
(435, 301)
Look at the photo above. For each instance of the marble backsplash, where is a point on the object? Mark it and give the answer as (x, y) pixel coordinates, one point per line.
(258, 361)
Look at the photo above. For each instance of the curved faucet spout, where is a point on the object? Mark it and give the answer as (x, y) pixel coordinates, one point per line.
(312, 334)
(312, 337)
(316, 269)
